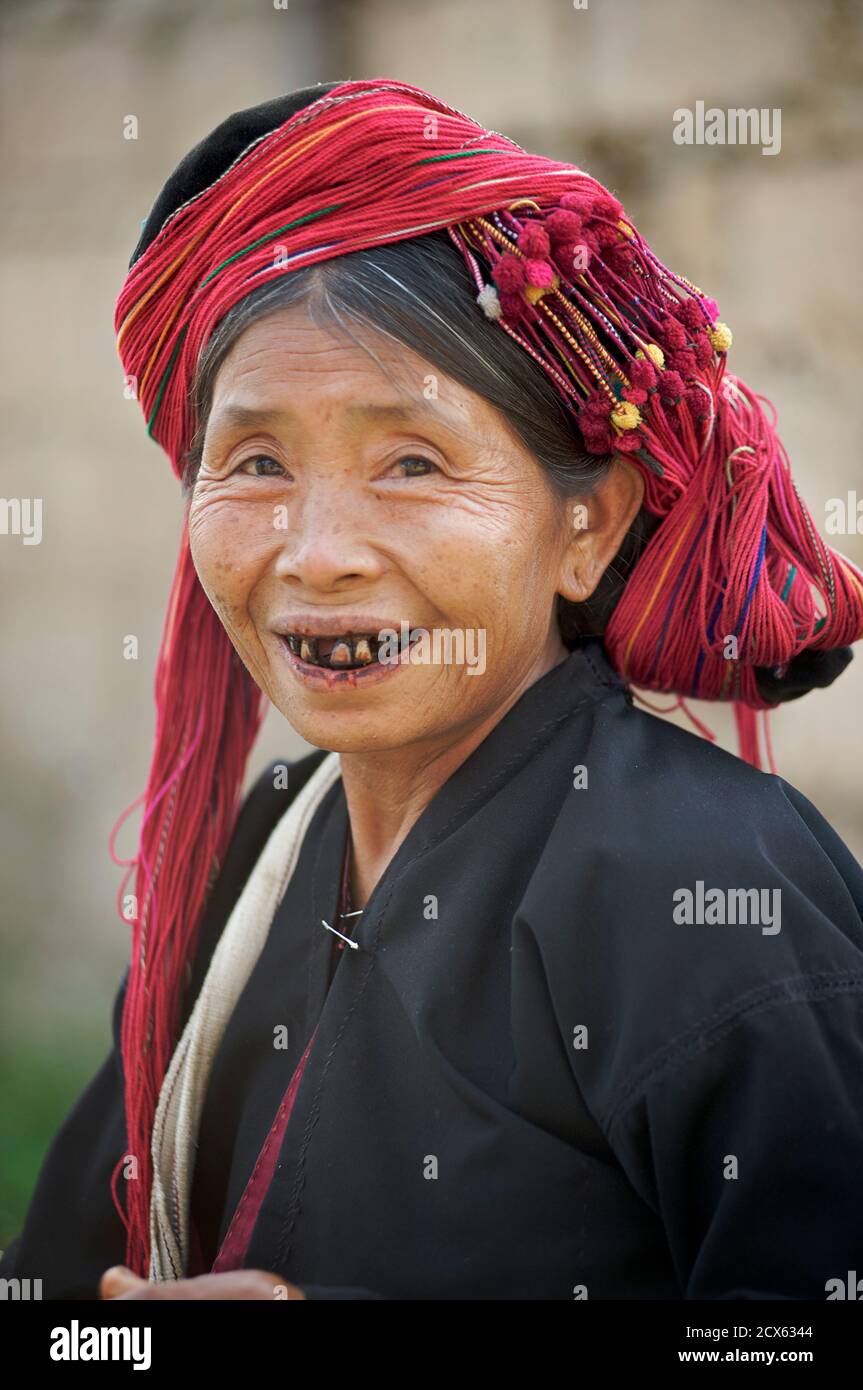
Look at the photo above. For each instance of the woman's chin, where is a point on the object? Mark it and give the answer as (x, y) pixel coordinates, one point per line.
(338, 736)
(365, 711)
(369, 725)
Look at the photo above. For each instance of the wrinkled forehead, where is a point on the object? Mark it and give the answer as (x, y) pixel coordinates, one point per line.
(286, 368)
(307, 342)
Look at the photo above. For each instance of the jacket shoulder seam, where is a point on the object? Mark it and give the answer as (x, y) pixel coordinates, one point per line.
(715, 1027)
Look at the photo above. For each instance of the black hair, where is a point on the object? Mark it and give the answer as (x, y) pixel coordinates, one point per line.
(419, 292)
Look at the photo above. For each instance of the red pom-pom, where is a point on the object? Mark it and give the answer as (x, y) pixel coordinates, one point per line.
(513, 306)
(606, 236)
(533, 242)
(684, 362)
(697, 402)
(509, 274)
(702, 350)
(597, 441)
(540, 274)
(636, 394)
(578, 202)
(562, 225)
(606, 205)
(643, 374)
(572, 258)
(690, 314)
(673, 333)
(620, 258)
(671, 388)
(596, 406)
(628, 442)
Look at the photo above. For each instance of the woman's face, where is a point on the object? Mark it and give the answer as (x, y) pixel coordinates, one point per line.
(336, 498)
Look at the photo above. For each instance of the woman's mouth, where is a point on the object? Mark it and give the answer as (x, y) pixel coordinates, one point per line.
(352, 658)
(350, 652)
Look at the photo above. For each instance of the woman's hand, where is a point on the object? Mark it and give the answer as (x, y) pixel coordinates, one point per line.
(120, 1282)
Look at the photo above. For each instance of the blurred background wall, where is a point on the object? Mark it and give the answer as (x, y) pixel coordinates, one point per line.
(774, 238)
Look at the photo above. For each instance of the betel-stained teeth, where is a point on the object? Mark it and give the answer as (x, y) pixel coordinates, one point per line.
(341, 654)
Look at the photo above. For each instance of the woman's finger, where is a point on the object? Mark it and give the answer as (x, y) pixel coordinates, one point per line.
(120, 1283)
(118, 1280)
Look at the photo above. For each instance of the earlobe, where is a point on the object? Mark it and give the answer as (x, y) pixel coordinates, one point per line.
(599, 524)
(577, 580)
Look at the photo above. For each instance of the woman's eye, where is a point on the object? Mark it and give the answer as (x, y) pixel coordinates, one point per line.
(257, 472)
(423, 465)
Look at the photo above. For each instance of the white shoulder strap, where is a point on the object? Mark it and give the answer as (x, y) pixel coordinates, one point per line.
(181, 1098)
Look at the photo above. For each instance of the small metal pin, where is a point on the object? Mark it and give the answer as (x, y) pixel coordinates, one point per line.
(354, 945)
(358, 913)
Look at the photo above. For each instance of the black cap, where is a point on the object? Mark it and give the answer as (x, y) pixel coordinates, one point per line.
(209, 159)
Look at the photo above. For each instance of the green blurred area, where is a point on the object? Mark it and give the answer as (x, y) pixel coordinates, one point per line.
(43, 1071)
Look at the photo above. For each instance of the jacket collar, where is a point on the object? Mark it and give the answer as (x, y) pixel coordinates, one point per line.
(585, 678)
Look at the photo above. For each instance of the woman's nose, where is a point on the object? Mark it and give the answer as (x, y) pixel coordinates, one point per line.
(326, 540)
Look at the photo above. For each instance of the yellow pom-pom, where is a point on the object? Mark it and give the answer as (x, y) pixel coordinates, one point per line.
(720, 336)
(626, 415)
(655, 353)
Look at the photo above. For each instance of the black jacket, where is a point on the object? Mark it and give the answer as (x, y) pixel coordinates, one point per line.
(533, 1080)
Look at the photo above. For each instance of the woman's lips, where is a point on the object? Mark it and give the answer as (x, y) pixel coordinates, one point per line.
(358, 677)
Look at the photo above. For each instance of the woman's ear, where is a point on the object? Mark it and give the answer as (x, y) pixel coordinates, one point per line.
(599, 522)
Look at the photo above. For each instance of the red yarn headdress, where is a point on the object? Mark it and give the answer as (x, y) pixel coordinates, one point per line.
(639, 358)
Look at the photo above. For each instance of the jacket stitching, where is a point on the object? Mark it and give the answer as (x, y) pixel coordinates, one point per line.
(503, 771)
(795, 989)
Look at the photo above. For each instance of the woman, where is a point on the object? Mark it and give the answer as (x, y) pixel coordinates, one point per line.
(509, 990)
